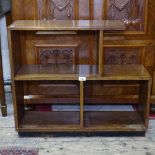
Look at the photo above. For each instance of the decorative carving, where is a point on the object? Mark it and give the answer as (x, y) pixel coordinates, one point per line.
(119, 9)
(130, 11)
(55, 9)
(122, 56)
(57, 56)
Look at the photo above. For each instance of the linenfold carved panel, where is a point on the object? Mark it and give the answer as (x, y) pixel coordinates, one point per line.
(55, 9)
(57, 55)
(130, 11)
(122, 56)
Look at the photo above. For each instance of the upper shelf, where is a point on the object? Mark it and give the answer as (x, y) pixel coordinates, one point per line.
(55, 72)
(113, 25)
(125, 72)
(73, 72)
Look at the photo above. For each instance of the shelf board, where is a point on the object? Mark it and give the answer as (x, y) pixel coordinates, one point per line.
(67, 25)
(55, 72)
(47, 121)
(73, 72)
(125, 72)
(127, 121)
(113, 121)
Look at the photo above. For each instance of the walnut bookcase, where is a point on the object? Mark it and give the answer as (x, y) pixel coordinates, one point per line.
(79, 74)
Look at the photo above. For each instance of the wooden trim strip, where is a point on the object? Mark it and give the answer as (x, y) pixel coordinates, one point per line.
(91, 9)
(76, 9)
(101, 53)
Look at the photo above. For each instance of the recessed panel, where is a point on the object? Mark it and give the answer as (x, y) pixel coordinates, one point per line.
(131, 12)
(55, 9)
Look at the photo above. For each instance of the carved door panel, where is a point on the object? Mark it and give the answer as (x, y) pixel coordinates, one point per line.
(131, 12)
(70, 9)
(55, 9)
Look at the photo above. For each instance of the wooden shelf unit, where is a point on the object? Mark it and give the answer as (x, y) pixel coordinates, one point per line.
(77, 76)
(83, 120)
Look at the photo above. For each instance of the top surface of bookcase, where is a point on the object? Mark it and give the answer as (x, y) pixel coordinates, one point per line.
(67, 25)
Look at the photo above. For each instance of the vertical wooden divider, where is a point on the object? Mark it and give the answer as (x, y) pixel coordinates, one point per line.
(144, 101)
(148, 102)
(91, 9)
(101, 52)
(81, 104)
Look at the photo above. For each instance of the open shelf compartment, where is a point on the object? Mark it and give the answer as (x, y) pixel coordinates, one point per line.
(48, 121)
(121, 120)
(55, 72)
(113, 121)
(51, 57)
(30, 119)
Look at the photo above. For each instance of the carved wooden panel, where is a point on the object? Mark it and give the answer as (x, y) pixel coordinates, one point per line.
(123, 56)
(55, 9)
(58, 88)
(57, 55)
(116, 88)
(131, 12)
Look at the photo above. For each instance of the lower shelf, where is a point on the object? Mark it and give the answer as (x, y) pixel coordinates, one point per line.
(114, 121)
(47, 121)
(93, 121)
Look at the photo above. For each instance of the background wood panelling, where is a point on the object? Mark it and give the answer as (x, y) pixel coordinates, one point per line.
(98, 9)
(132, 12)
(123, 56)
(139, 36)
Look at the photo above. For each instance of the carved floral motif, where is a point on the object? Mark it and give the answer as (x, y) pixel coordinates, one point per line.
(122, 57)
(130, 11)
(56, 56)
